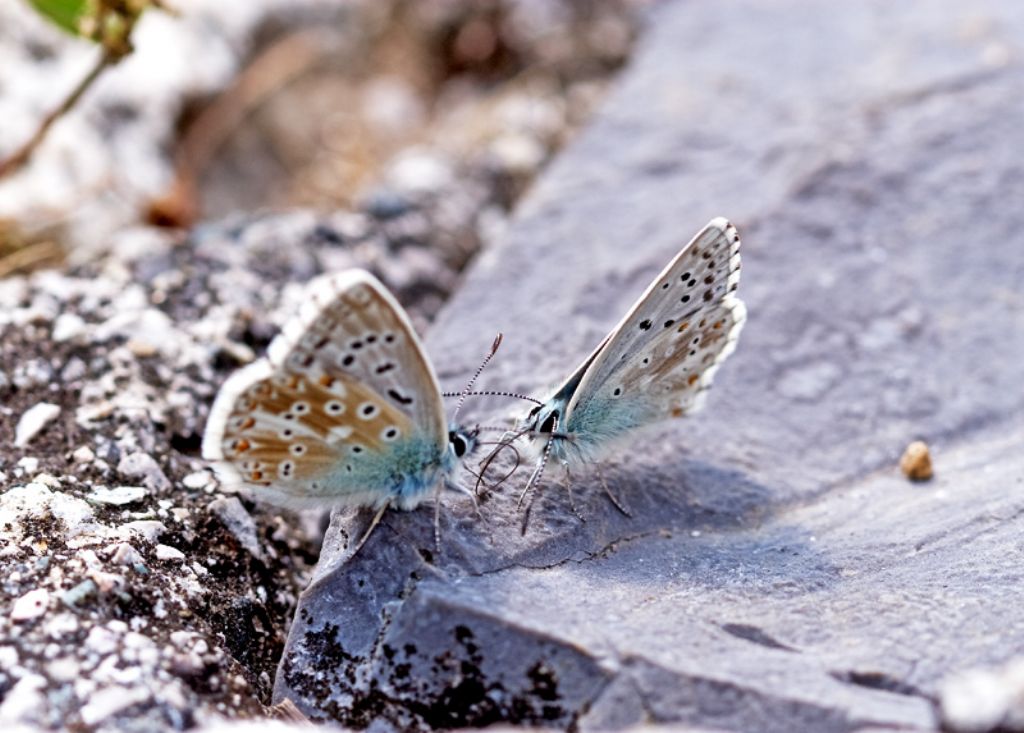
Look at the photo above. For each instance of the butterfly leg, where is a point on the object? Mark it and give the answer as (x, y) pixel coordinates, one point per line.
(568, 488)
(526, 514)
(452, 486)
(614, 500)
(369, 530)
(533, 480)
(437, 519)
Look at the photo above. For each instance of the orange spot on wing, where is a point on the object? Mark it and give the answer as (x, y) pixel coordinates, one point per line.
(692, 378)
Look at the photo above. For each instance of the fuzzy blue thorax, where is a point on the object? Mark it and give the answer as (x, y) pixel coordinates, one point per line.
(591, 428)
(405, 473)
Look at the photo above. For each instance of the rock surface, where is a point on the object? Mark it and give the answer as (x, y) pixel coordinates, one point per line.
(778, 572)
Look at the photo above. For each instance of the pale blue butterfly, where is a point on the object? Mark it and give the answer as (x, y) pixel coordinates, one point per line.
(345, 410)
(658, 362)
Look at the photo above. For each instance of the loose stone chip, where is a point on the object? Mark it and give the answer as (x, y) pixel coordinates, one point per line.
(916, 462)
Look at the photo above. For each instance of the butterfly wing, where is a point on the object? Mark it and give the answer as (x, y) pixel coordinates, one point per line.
(662, 357)
(346, 408)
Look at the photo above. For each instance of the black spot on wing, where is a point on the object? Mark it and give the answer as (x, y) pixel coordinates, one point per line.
(399, 397)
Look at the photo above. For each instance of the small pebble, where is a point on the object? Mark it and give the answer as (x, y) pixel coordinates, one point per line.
(916, 462)
(109, 701)
(125, 554)
(83, 454)
(31, 605)
(29, 464)
(166, 552)
(118, 496)
(68, 326)
(149, 529)
(79, 593)
(197, 480)
(984, 699)
(33, 420)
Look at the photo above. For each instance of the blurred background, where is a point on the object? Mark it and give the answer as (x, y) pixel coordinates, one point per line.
(197, 111)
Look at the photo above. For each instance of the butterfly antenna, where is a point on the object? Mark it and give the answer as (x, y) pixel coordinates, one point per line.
(469, 386)
(493, 393)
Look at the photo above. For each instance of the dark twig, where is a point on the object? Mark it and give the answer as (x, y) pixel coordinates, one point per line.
(23, 154)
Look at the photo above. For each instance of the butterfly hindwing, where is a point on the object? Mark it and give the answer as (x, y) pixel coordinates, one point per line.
(663, 355)
(345, 409)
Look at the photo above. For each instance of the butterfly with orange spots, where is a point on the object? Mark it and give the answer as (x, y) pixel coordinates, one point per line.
(344, 410)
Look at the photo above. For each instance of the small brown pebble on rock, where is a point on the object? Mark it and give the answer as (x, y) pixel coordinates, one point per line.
(916, 462)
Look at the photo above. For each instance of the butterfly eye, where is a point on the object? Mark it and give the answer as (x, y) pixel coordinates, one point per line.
(548, 426)
(459, 444)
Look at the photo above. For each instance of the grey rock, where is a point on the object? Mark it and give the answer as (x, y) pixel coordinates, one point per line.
(238, 522)
(143, 466)
(777, 573)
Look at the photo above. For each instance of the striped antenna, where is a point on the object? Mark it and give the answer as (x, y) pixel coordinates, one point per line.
(468, 389)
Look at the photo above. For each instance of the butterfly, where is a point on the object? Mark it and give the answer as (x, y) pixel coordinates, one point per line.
(657, 363)
(344, 410)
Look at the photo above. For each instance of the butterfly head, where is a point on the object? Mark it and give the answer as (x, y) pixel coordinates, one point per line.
(544, 423)
(542, 420)
(463, 441)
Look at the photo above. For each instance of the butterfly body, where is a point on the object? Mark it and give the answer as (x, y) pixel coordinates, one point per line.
(345, 409)
(657, 363)
(407, 473)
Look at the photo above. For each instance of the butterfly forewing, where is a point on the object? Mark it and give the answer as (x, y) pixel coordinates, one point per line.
(354, 328)
(663, 355)
(345, 402)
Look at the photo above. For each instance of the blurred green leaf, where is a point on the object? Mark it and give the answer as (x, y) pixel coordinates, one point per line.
(66, 14)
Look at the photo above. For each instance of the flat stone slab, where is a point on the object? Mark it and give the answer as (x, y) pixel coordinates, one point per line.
(778, 572)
